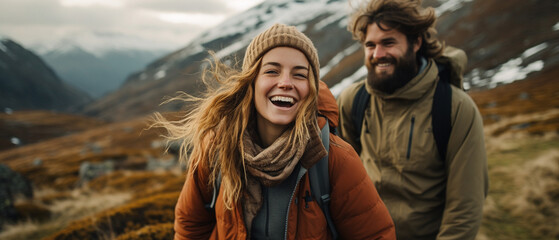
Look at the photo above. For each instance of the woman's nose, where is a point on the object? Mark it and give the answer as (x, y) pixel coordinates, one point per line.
(285, 82)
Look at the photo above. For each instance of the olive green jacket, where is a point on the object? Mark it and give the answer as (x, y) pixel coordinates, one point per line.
(427, 197)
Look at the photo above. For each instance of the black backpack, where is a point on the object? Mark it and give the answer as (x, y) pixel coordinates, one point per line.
(319, 182)
(440, 111)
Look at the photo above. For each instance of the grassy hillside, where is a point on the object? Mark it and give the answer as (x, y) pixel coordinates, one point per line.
(521, 128)
(135, 200)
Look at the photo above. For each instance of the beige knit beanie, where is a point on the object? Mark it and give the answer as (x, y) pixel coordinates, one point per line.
(281, 35)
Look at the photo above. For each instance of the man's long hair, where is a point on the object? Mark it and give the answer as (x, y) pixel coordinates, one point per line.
(406, 16)
(213, 130)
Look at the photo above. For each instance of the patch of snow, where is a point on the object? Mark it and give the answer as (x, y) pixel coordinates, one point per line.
(259, 18)
(302, 27)
(239, 30)
(3, 47)
(15, 141)
(337, 16)
(160, 74)
(533, 50)
(232, 48)
(343, 23)
(66, 47)
(8, 110)
(358, 75)
(192, 49)
(449, 6)
(513, 70)
(466, 85)
(143, 76)
(556, 27)
(242, 28)
(336, 59)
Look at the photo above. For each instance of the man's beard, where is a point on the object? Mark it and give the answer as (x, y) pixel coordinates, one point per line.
(405, 68)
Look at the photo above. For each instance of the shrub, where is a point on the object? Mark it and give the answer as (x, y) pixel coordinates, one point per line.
(31, 211)
(170, 185)
(157, 231)
(134, 181)
(130, 217)
(539, 197)
(55, 196)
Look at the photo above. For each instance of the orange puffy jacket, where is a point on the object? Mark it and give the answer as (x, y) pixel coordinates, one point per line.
(356, 208)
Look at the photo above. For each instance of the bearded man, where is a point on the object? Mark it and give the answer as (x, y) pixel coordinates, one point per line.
(433, 189)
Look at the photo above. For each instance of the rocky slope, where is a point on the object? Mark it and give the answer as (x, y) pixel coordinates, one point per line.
(26, 82)
(504, 41)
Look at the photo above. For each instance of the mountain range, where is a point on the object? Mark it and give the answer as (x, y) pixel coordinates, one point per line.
(505, 42)
(96, 73)
(27, 82)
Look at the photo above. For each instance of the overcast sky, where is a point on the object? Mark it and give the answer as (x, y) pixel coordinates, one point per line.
(100, 24)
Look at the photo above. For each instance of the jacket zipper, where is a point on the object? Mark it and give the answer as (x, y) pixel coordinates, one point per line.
(302, 172)
(267, 212)
(411, 137)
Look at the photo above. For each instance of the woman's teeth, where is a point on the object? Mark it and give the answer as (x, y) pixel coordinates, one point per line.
(282, 101)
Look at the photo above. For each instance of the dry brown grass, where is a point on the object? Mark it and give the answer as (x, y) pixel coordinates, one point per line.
(102, 208)
(510, 157)
(141, 183)
(537, 94)
(35, 126)
(157, 231)
(69, 207)
(22, 230)
(32, 211)
(538, 202)
(532, 123)
(55, 163)
(130, 217)
(53, 196)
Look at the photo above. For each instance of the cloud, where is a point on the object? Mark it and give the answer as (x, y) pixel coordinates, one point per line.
(185, 6)
(102, 24)
(89, 3)
(196, 18)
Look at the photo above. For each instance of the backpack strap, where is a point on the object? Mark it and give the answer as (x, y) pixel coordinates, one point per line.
(320, 182)
(441, 111)
(217, 185)
(360, 104)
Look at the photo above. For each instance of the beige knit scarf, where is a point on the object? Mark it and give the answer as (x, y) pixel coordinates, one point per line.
(270, 166)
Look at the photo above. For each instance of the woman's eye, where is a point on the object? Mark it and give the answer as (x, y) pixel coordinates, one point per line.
(270, 72)
(300, 75)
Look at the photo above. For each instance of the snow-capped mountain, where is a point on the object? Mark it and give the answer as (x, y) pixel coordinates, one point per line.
(505, 41)
(27, 82)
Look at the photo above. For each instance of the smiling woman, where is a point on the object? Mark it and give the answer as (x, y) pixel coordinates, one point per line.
(256, 135)
(279, 87)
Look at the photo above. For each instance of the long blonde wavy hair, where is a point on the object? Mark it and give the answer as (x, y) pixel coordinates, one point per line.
(213, 129)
